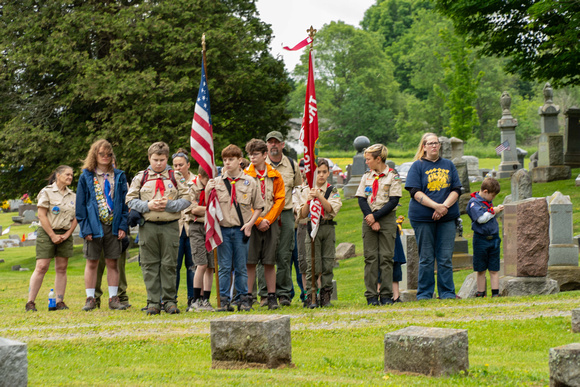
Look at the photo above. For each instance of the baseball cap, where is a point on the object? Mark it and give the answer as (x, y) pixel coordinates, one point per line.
(275, 134)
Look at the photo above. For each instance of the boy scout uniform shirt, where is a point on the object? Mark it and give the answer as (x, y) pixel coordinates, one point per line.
(389, 186)
(101, 179)
(186, 215)
(248, 196)
(296, 195)
(196, 190)
(291, 177)
(60, 207)
(147, 192)
(274, 200)
(333, 199)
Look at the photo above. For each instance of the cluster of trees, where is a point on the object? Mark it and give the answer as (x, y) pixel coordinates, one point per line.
(129, 71)
(414, 68)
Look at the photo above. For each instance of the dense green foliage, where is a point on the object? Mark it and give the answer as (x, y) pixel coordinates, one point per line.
(541, 38)
(128, 71)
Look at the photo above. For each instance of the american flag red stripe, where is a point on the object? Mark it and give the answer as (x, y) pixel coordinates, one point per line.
(203, 152)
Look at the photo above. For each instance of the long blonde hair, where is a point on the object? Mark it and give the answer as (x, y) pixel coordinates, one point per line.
(90, 163)
(420, 151)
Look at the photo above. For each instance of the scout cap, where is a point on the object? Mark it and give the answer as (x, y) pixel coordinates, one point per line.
(275, 134)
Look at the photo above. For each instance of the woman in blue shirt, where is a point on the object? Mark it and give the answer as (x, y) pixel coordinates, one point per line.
(434, 186)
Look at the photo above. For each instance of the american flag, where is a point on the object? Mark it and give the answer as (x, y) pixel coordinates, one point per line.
(203, 152)
(503, 146)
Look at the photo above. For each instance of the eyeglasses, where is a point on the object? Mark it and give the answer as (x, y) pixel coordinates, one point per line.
(180, 154)
(105, 155)
(432, 143)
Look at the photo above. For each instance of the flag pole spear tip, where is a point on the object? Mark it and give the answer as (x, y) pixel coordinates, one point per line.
(203, 41)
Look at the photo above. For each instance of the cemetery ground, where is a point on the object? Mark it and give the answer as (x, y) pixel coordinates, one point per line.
(509, 338)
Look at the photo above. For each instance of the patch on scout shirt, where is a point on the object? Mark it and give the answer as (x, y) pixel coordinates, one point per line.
(169, 185)
(55, 210)
(182, 180)
(246, 182)
(472, 204)
(368, 190)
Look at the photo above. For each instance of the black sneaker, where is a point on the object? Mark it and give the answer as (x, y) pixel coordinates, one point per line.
(386, 301)
(480, 294)
(398, 299)
(374, 301)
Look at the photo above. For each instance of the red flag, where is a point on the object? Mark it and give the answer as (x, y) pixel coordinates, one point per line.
(300, 45)
(203, 152)
(309, 135)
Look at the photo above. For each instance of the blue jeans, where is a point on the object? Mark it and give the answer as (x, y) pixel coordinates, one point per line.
(185, 252)
(296, 267)
(233, 256)
(435, 242)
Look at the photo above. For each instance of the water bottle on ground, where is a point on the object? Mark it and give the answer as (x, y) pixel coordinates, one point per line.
(51, 300)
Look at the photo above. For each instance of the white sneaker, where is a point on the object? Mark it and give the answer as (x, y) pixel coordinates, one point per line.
(205, 306)
(194, 307)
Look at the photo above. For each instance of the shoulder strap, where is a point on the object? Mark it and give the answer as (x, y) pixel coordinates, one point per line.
(229, 187)
(145, 177)
(292, 164)
(328, 191)
(172, 177)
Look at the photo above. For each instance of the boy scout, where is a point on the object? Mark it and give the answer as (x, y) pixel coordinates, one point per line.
(159, 194)
(378, 195)
(324, 243)
(266, 232)
(238, 195)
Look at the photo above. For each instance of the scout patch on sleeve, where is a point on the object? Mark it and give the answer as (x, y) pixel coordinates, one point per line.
(334, 190)
(182, 180)
(336, 195)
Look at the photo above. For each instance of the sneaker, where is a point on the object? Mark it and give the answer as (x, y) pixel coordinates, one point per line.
(245, 305)
(374, 301)
(205, 306)
(495, 295)
(263, 302)
(152, 311)
(172, 309)
(285, 301)
(61, 306)
(90, 304)
(225, 305)
(480, 294)
(115, 304)
(194, 306)
(190, 301)
(386, 301)
(30, 306)
(272, 303)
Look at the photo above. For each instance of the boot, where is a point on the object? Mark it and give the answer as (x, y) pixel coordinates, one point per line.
(225, 305)
(272, 302)
(325, 298)
(245, 303)
(309, 303)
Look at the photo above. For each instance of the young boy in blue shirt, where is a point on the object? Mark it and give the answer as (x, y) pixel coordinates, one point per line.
(486, 240)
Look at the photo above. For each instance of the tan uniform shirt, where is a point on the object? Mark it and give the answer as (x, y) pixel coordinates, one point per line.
(148, 192)
(291, 177)
(248, 196)
(296, 195)
(333, 199)
(61, 207)
(197, 189)
(101, 179)
(389, 186)
(186, 215)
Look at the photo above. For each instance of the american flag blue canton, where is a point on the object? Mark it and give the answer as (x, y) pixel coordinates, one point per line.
(503, 146)
(203, 95)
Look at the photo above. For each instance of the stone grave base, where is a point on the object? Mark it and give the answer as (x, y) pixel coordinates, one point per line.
(460, 261)
(427, 351)
(576, 320)
(563, 254)
(246, 341)
(568, 277)
(408, 295)
(546, 174)
(14, 363)
(334, 295)
(564, 370)
(345, 250)
(526, 286)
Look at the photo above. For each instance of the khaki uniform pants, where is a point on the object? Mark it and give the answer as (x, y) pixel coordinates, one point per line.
(379, 249)
(324, 252)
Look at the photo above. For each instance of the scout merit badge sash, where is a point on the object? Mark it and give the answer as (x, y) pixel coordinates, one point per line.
(105, 204)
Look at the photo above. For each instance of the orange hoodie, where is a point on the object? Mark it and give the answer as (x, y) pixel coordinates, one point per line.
(278, 195)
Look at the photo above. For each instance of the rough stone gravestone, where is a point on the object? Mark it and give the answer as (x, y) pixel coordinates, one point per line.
(469, 286)
(13, 363)
(345, 250)
(358, 167)
(576, 320)
(428, 351)
(526, 243)
(445, 148)
(456, 148)
(29, 216)
(509, 158)
(572, 138)
(521, 184)
(461, 166)
(565, 365)
(526, 286)
(251, 341)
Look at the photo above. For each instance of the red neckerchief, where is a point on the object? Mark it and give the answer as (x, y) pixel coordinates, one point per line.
(488, 205)
(261, 175)
(376, 187)
(322, 207)
(233, 184)
(159, 186)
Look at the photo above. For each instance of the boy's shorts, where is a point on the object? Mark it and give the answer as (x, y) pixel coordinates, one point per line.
(486, 250)
(45, 247)
(110, 245)
(199, 253)
(263, 245)
(397, 272)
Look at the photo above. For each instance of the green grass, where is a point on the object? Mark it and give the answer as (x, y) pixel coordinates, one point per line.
(509, 338)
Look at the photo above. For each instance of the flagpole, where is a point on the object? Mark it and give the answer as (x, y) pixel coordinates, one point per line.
(311, 32)
(215, 257)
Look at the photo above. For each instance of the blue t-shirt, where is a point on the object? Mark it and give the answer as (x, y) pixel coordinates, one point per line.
(436, 180)
(477, 207)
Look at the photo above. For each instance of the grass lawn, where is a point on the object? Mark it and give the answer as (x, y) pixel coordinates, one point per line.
(509, 338)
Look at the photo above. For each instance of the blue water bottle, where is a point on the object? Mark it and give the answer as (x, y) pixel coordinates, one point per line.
(51, 300)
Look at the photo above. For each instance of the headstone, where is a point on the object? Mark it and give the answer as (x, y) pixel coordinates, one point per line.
(13, 363)
(15, 204)
(525, 246)
(18, 219)
(522, 153)
(334, 295)
(533, 161)
(527, 286)
(565, 365)
(472, 165)
(428, 351)
(572, 138)
(251, 341)
(461, 258)
(576, 320)
(509, 158)
(411, 274)
(469, 287)
(577, 182)
(562, 250)
(521, 183)
(29, 216)
(445, 148)
(16, 268)
(26, 207)
(456, 148)
(1, 260)
(345, 250)
(568, 277)
(358, 167)
(461, 167)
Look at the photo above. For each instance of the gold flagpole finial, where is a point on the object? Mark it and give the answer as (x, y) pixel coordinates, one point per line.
(203, 42)
(311, 32)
